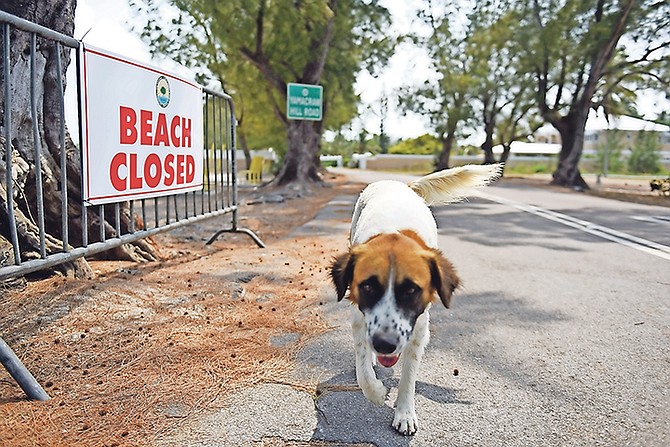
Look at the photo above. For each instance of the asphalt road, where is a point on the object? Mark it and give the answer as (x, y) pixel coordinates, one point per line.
(560, 336)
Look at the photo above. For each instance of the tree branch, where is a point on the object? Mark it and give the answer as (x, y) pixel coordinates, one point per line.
(643, 58)
(277, 109)
(261, 62)
(260, 17)
(311, 74)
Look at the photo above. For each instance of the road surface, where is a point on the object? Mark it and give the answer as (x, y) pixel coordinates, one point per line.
(559, 337)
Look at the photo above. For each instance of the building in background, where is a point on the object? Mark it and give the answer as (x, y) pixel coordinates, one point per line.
(601, 131)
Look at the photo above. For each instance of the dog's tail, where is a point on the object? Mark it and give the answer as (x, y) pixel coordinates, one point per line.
(452, 185)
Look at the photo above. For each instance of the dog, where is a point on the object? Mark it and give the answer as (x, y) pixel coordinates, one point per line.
(394, 271)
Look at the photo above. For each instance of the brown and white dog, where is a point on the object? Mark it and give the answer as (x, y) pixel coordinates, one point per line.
(394, 271)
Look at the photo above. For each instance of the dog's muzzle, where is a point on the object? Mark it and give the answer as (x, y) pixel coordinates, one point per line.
(385, 347)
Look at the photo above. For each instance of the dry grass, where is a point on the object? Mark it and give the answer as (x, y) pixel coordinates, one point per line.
(140, 349)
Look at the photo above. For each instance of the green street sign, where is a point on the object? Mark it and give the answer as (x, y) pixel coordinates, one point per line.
(303, 102)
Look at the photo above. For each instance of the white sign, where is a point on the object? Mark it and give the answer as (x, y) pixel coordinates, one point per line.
(142, 130)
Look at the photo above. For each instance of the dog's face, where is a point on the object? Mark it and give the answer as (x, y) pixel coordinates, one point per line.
(393, 278)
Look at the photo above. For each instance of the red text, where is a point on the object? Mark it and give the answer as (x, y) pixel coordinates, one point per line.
(153, 129)
(174, 169)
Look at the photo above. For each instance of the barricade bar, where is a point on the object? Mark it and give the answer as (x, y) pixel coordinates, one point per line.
(102, 224)
(26, 25)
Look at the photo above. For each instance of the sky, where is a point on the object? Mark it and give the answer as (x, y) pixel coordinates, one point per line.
(105, 24)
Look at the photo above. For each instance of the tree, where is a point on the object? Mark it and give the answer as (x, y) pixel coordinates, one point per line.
(580, 52)
(664, 118)
(644, 158)
(59, 16)
(424, 145)
(256, 126)
(516, 122)
(445, 101)
(500, 89)
(311, 41)
(482, 84)
(383, 138)
(608, 152)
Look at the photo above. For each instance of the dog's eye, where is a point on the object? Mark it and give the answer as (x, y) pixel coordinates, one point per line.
(370, 290)
(410, 291)
(370, 287)
(407, 291)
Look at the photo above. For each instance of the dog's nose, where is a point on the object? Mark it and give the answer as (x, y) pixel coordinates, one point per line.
(383, 345)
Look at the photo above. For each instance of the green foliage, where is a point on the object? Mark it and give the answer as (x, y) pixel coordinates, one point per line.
(339, 145)
(664, 118)
(593, 53)
(502, 91)
(608, 154)
(373, 143)
(528, 168)
(255, 119)
(502, 65)
(384, 142)
(645, 157)
(590, 54)
(253, 48)
(483, 85)
(469, 149)
(423, 145)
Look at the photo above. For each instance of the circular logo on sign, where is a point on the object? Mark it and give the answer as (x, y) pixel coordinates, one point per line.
(162, 91)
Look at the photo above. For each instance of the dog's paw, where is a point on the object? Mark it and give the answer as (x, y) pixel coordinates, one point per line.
(375, 391)
(405, 421)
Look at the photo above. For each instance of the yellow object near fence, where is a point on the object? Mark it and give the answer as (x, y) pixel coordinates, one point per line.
(254, 174)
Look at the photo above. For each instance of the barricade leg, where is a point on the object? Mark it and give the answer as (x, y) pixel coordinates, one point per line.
(246, 231)
(19, 372)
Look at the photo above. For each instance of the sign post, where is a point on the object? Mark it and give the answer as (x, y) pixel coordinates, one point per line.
(304, 102)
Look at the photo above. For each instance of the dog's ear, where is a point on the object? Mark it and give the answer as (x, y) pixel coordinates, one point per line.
(342, 273)
(443, 277)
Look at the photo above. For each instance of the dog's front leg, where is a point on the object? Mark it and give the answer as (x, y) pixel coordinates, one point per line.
(373, 388)
(405, 420)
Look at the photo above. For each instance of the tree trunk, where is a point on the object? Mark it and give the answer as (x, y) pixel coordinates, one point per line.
(487, 145)
(242, 136)
(59, 16)
(443, 158)
(242, 140)
(571, 128)
(301, 163)
(507, 149)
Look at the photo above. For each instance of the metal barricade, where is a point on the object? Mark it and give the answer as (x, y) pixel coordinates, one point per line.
(218, 197)
(147, 216)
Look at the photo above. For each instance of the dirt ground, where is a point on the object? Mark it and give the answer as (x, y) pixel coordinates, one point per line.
(141, 348)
